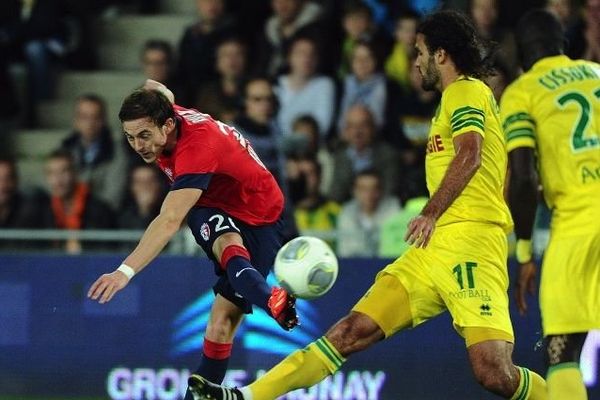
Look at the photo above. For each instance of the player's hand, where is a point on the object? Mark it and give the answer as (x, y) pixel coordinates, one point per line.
(525, 284)
(107, 285)
(420, 230)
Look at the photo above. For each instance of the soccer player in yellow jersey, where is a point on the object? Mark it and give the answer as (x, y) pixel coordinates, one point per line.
(458, 258)
(551, 118)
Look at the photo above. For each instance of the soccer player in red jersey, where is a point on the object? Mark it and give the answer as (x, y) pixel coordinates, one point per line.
(233, 206)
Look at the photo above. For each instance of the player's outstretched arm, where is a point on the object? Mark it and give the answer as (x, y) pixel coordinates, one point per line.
(464, 165)
(175, 208)
(522, 200)
(156, 85)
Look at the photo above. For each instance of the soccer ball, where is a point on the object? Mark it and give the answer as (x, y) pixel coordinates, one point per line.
(306, 267)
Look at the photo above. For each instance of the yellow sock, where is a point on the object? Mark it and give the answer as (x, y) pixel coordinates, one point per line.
(565, 382)
(531, 386)
(301, 369)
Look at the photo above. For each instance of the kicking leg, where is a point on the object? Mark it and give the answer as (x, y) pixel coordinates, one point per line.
(492, 365)
(562, 358)
(250, 283)
(225, 318)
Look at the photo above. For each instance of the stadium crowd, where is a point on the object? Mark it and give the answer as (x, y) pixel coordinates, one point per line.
(325, 91)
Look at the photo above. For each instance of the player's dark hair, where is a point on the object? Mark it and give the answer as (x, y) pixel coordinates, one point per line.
(539, 34)
(454, 32)
(144, 103)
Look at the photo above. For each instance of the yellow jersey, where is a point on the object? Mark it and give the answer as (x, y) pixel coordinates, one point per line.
(468, 105)
(555, 109)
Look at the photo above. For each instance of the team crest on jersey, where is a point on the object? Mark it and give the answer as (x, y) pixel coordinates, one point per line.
(205, 231)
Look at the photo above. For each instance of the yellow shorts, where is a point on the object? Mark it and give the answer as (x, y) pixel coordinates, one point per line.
(463, 270)
(570, 285)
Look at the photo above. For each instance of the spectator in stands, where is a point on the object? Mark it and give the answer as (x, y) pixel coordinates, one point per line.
(302, 91)
(34, 31)
(70, 204)
(416, 108)
(158, 63)
(361, 151)
(366, 84)
(146, 193)
(257, 125)
(222, 98)
(485, 16)
(563, 10)
(96, 157)
(399, 63)
(502, 77)
(315, 214)
(290, 18)
(198, 44)
(592, 32)
(358, 24)
(360, 219)
(13, 208)
(305, 143)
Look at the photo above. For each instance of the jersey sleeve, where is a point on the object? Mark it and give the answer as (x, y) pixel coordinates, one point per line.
(517, 123)
(196, 163)
(465, 105)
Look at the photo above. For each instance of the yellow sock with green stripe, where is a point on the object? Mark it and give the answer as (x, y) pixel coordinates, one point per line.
(301, 369)
(531, 386)
(566, 382)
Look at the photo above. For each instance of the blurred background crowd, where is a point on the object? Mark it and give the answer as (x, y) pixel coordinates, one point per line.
(325, 91)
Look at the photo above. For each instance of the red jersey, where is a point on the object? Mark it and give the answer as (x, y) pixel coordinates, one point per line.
(214, 157)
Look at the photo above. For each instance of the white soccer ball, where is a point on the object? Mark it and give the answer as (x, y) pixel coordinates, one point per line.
(306, 267)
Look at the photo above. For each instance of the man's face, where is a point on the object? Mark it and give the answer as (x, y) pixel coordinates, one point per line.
(286, 10)
(363, 62)
(8, 183)
(88, 120)
(425, 63)
(259, 100)
(156, 65)
(61, 177)
(210, 10)
(359, 130)
(146, 138)
(303, 58)
(231, 60)
(485, 13)
(367, 192)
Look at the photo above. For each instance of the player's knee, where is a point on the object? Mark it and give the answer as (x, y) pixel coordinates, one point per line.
(354, 333)
(225, 241)
(221, 328)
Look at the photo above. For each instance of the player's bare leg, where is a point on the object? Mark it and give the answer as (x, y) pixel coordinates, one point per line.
(225, 318)
(229, 249)
(354, 333)
(493, 368)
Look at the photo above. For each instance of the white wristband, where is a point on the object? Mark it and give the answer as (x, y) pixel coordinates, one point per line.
(127, 270)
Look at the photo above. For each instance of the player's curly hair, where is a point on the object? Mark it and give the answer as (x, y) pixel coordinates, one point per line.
(454, 32)
(146, 103)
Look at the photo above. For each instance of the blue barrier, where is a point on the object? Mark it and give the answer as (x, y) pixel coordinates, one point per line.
(56, 343)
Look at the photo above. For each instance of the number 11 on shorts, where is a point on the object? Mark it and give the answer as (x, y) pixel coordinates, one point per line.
(458, 271)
